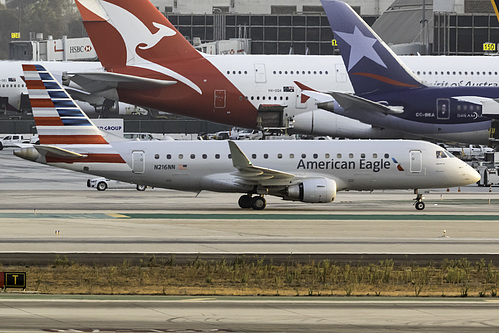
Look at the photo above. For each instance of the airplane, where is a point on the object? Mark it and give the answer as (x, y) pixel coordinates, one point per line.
(308, 170)
(149, 63)
(13, 92)
(388, 95)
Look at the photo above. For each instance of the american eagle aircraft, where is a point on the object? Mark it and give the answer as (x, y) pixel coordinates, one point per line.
(389, 95)
(307, 171)
(149, 63)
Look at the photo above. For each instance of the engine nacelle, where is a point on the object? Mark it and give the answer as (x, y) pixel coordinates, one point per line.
(317, 190)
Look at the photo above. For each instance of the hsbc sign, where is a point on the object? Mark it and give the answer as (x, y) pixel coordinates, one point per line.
(80, 49)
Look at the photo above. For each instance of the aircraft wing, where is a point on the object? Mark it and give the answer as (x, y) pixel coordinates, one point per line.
(104, 81)
(54, 151)
(474, 99)
(251, 173)
(351, 102)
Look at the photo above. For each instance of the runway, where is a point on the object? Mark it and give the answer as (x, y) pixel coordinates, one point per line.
(46, 211)
(49, 210)
(244, 314)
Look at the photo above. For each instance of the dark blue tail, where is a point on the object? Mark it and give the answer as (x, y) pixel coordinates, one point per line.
(371, 64)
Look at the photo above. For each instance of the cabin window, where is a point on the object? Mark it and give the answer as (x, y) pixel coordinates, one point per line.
(316, 156)
(168, 156)
(327, 155)
(217, 156)
(362, 155)
(303, 155)
(180, 156)
(338, 155)
(350, 155)
(193, 156)
(253, 156)
(156, 156)
(265, 156)
(279, 155)
(291, 156)
(229, 156)
(387, 155)
(205, 156)
(375, 155)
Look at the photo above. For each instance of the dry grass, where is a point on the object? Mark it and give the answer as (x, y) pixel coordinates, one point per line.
(247, 277)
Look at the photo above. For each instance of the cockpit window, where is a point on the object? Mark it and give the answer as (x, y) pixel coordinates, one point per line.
(449, 154)
(441, 154)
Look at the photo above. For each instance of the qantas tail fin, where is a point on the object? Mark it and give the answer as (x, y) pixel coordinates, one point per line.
(58, 118)
(371, 64)
(131, 32)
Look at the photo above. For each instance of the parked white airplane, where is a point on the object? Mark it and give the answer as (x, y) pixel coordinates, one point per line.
(307, 171)
(150, 63)
(13, 88)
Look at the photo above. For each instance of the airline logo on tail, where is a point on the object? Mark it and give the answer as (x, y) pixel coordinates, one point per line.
(60, 122)
(134, 33)
(58, 119)
(371, 64)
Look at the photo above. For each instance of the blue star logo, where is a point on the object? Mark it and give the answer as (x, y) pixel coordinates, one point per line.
(360, 46)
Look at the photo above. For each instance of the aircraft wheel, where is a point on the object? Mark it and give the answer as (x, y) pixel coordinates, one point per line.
(102, 186)
(419, 205)
(245, 201)
(258, 203)
(141, 187)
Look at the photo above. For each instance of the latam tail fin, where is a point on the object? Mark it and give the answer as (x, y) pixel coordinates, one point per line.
(371, 64)
(127, 32)
(58, 118)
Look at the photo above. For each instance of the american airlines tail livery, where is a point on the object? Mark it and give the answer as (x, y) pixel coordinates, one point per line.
(388, 95)
(307, 171)
(149, 63)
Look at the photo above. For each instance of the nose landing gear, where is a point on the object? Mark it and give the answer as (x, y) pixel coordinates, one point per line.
(418, 203)
(257, 203)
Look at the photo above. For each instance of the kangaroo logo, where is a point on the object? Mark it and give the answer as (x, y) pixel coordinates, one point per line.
(136, 35)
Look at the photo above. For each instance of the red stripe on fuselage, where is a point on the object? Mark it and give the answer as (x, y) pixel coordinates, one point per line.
(48, 121)
(72, 139)
(91, 158)
(387, 80)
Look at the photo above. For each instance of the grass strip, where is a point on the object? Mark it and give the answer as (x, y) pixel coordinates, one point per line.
(245, 277)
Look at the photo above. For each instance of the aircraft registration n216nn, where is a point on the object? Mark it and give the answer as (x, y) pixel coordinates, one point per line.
(308, 171)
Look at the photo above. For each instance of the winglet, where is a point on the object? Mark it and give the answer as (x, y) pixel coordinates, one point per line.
(372, 66)
(239, 159)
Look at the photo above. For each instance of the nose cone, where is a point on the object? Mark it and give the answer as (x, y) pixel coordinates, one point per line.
(473, 175)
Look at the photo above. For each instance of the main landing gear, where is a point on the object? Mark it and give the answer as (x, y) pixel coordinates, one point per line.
(257, 203)
(418, 203)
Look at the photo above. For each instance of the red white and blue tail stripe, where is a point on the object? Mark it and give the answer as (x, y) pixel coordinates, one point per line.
(61, 123)
(58, 119)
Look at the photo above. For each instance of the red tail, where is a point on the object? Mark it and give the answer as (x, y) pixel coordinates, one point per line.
(130, 32)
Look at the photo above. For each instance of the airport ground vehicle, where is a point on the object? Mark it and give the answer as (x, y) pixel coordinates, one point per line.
(13, 140)
(102, 184)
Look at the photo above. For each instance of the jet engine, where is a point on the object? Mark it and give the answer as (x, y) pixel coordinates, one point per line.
(317, 190)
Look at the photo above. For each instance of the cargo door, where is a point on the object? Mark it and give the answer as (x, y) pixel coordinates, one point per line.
(138, 161)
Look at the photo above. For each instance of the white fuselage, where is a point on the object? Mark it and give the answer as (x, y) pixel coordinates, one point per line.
(352, 164)
(269, 80)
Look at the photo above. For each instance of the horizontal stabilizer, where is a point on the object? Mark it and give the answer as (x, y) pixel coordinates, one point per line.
(104, 81)
(478, 100)
(318, 96)
(351, 102)
(248, 172)
(46, 150)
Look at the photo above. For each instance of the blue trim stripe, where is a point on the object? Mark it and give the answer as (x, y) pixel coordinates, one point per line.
(75, 122)
(64, 103)
(70, 113)
(58, 94)
(51, 85)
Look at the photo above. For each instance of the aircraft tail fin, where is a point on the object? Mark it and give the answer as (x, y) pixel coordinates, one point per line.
(126, 32)
(371, 64)
(58, 119)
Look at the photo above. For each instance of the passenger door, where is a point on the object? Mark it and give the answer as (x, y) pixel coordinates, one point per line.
(416, 161)
(138, 161)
